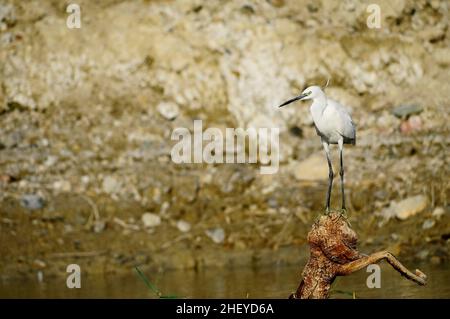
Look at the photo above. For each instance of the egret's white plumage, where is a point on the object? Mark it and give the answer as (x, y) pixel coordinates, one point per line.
(333, 124)
(332, 120)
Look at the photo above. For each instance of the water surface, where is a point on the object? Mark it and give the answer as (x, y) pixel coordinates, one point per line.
(268, 282)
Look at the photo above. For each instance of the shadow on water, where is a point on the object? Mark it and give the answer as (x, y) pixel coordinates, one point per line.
(268, 282)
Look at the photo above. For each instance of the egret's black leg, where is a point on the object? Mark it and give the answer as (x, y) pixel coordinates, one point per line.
(341, 172)
(330, 182)
(330, 175)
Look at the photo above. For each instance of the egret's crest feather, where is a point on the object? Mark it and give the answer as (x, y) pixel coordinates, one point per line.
(326, 85)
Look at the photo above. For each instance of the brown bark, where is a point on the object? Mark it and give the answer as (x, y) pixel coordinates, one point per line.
(333, 253)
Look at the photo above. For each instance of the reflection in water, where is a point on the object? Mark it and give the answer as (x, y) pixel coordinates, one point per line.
(269, 282)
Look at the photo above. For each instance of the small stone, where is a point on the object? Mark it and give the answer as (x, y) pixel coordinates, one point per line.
(168, 110)
(273, 203)
(386, 122)
(429, 223)
(413, 124)
(438, 212)
(409, 206)
(51, 160)
(39, 263)
(99, 226)
(164, 208)
(381, 194)
(110, 185)
(183, 226)
(206, 179)
(85, 179)
(32, 201)
(247, 9)
(62, 186)
(423, 254)
(151, 220)
(403, 111)
(217, 235)
(68, 228)
(312, 8)
(155, 194)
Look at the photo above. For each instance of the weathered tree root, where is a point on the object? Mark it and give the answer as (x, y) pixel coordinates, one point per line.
(333, 253)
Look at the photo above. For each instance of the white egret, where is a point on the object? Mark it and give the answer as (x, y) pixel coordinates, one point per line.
(334, 125)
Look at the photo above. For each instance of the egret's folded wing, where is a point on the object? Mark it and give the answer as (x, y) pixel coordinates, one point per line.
(346, 126)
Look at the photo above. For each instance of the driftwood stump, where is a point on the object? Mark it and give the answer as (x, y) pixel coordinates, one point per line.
(333, 253)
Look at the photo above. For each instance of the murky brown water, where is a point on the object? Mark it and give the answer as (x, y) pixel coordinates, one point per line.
(270, 282)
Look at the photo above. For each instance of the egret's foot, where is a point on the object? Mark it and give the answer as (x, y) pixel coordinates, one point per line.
(326, 212)
(343, 211)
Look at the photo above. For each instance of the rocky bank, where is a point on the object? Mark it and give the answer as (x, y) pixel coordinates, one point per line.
(86, 117)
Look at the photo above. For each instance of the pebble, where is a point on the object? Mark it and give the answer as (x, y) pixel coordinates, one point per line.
(413, 124)
(429, 223)
(394, 236)
(217, 235)
(164, 208)
(85, 179)
(168, 110)
(183, 226)
(386, 122)
(32, 201)
(51, 160)
(110, 185)
(438, 212)
(273, 203)
(62, 186)
(403, 111)
(39, 263)
(68, 228)
(423, 254)
(99, 226)
(407, 207)
(151, 220)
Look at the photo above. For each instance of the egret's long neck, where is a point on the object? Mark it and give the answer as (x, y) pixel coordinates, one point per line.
(318, 106)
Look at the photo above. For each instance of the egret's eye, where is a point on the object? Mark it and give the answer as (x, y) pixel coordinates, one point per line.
(308, 93)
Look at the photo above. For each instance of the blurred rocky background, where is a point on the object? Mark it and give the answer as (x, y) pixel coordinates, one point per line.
(86, 117)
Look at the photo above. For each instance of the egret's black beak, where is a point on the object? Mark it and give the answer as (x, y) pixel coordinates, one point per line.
(301, 96)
